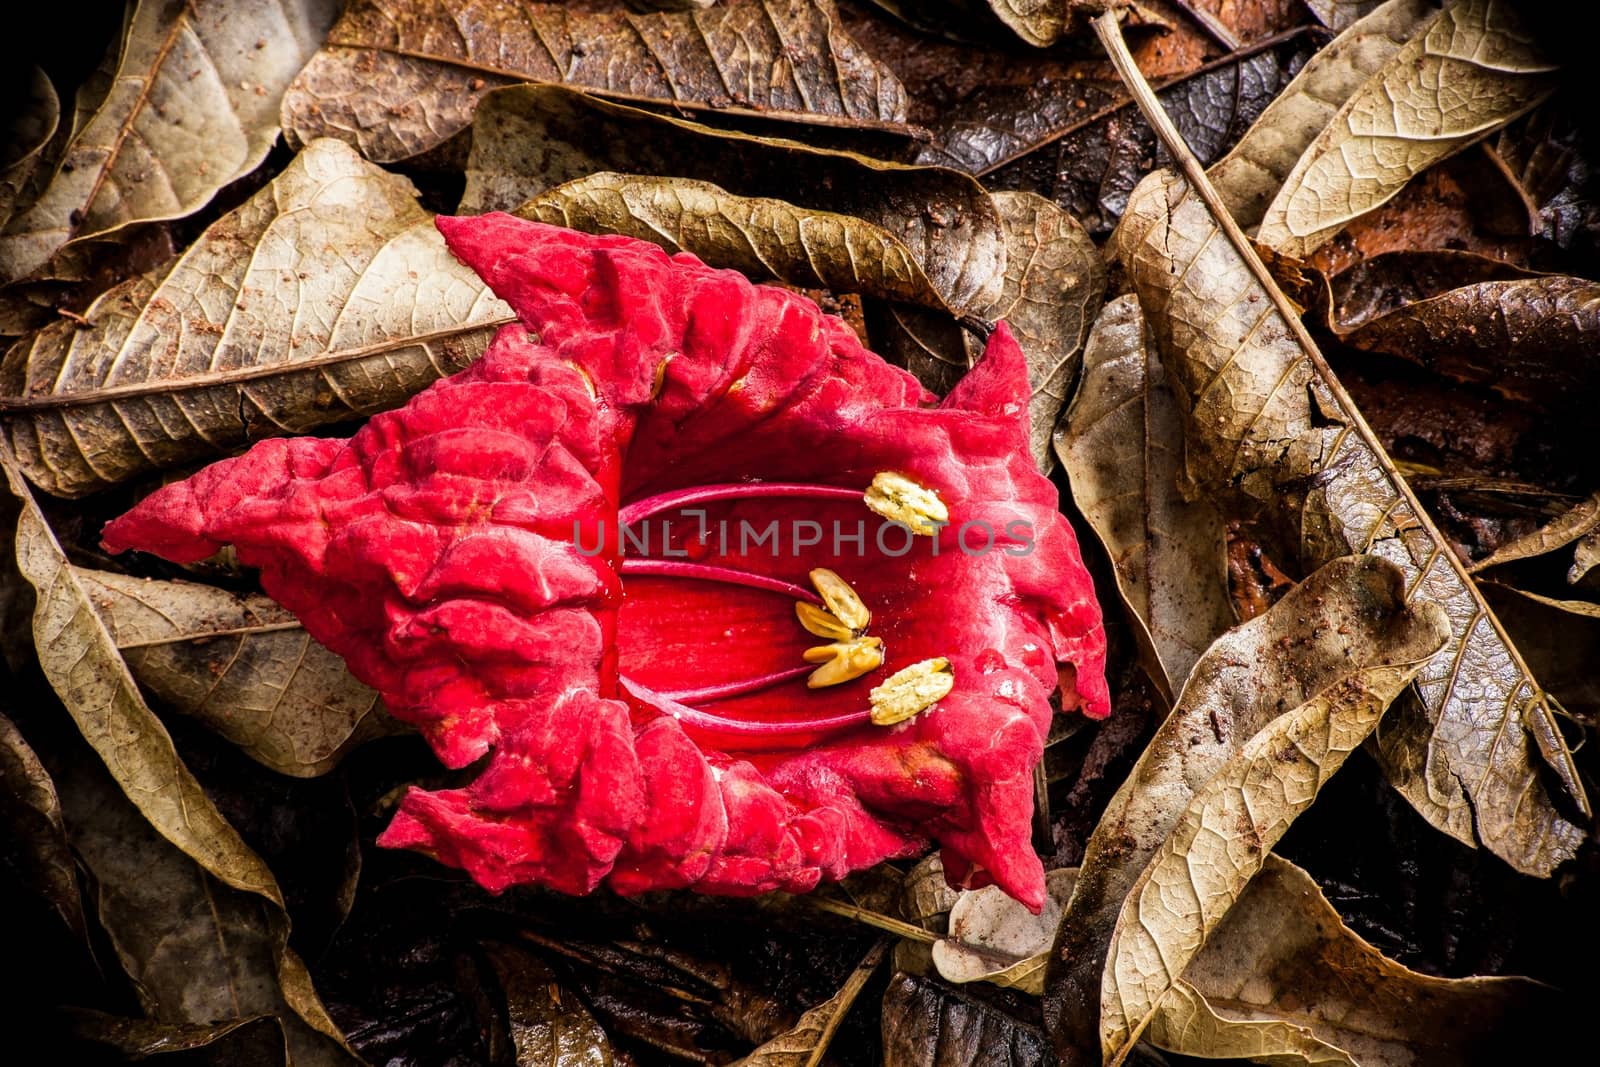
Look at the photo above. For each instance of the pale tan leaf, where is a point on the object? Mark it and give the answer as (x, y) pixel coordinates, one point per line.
(398, 77)
(1042, 22)
(1340, 15)
(1121, 443)
(193, 106)
(1265, 417)
(27, 133)
(1346, 618)
(805, 1043)
(994, 939)
(1222, 837)
(1282, 980)
(1584, 557)
(240, 664)
(1571, 525)
(328, 295)
(1467, 73)
(1251, 174)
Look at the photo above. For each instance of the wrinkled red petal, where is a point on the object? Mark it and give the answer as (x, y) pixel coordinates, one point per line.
(435, 551)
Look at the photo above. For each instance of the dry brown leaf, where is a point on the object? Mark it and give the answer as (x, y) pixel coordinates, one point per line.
(1584, 557)
(1340, 15)
(929, 1024)
(1467, 73)
(327, 295)
(1265, 418)
(193, 106)
(1282, 980)
(994, 939)
(1222, 836)
(398, 77)
(1250, 175)
(35, 849)
(1121, 443)
(1562, 638)
(1346, 618)
(1571, 525)
(805, 1043)
(240, 664)
(27, 133)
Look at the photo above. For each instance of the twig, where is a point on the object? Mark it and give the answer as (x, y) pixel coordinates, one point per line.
(871, 918)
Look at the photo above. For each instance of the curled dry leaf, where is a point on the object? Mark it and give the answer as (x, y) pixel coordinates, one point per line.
(1464, 75)
(1121, 443)
(35, 843)
(542, 1022)
(328, 295)
(928, 1024)
(242, 665)
(1283, 980)
(530, 138)
(1251, 174)
(1265, 418)
(1571, 525)
(1223, 835)
(994, 939)
(398, 77)
(806, 1042)
(193, 106)
(1348, 618)
(27, 133)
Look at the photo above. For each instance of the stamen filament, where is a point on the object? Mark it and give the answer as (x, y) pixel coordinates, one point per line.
(640, 510)
(708, 572)
(712, 722)
(723, 690)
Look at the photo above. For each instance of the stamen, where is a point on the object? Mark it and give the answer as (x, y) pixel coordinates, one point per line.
(705, 494)
(899, 499)
(706, 572)
(841, 600)
(724, 690)
(911, 691)
(822, 622)
(712, 722)
(843, 661)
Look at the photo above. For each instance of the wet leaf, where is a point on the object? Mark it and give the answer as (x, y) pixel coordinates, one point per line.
(193, 106)
(242, 665)
(1250, 175)
(35, 843)
(995, 939)
(1529, 339)
(27, 132)
(805, 1043)
(1264, 417)
(1121, 443)
(528, 139)
(1240, 813)
(544, 1024)
(398, 77)
(1467, 73)
(1283, 977)
(253, 1042)
(1345, 620)
(1569, 526)
(327, 295)
(929, 1024)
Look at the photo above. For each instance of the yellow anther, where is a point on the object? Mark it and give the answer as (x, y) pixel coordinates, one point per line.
(841, 600)
(821, 622)
(843, 661)
(911, 691)
(899, 499)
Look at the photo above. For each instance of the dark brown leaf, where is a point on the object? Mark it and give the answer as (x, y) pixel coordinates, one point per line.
(929, 1024)
(35, 844)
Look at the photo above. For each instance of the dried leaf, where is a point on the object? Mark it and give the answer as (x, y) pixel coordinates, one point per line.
(398, 77)
(805, 1043)
(327, 295)
(1340, 15)
(927, 896)
(528, 139)
(929, 1024)
(1042, 22)
(1251, 174)
(1584, 557)
(546, 1025)
(1283, 980)
(253, 1042)
(1573, 524)
(1530, 339)
(242, 665)
(1121, 443)
(193, 106)
(1467, 73)
(995, 939)
(1562, 641)
(1265, 417)
(35, 843)
(1346, 619)
(27, 132)
(1240, 813)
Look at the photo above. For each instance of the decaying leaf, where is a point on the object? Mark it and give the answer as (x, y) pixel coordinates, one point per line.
(398, 77)
(805, 1043)
(1467, 73)
(329, 294)
(251, 1042)
(1571, 525)
(193, 106)
(1250, 175)
(994, 939)
(1282, 980)
(1222, 836)
(543, 1024)
(242, 665)
(1348, 618)
(1266, 419)
(35, 843)
(1121, 443)
(27, 131)
(929, 1024)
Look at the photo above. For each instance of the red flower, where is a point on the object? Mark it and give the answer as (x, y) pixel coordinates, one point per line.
(644, 707)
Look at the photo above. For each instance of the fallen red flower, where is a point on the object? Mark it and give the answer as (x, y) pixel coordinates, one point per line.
(646, 716)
